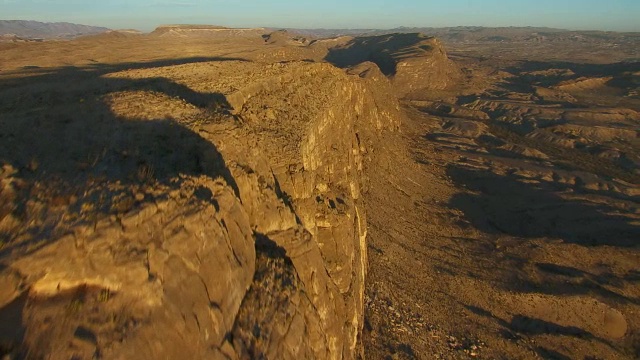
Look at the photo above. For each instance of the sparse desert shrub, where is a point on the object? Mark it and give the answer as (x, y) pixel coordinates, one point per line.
(122, 204)
(145, 173)
(104, 295)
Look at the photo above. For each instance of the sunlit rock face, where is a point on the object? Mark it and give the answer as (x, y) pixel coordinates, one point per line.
(413, 62)
(221, 216)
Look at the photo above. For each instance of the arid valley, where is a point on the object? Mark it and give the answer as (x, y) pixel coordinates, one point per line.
(201, 192)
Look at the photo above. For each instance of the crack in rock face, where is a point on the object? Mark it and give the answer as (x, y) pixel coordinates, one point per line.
(216, 215)
(202, 192)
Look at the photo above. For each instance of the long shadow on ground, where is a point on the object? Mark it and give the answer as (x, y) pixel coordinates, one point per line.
(62, 141)
(502, 204)
(385, 51)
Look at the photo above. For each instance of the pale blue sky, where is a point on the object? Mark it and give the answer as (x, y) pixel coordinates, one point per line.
(621, 15)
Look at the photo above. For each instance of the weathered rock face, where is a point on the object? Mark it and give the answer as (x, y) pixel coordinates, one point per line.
(209, 32)
(427, 67)
(219, 214)
(116, 289)
(319, 170)
(413, 62)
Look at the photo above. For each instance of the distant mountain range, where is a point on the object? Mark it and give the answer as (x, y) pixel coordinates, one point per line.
(30, 30)
(16, 30)
(465, 34)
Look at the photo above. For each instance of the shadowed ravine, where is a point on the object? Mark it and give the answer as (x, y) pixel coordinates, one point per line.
(213, 193)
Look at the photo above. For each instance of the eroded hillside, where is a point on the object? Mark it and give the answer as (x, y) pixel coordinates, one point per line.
(519, 230)
(204, 192)
(210, 209)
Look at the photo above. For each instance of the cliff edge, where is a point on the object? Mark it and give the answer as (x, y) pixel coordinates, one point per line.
(210, 209)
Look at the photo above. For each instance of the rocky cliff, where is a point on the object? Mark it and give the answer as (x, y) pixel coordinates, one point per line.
(209, 32)
(414, 62)
(204, 210)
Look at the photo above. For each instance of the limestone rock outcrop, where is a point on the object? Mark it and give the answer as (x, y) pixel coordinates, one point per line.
(414, 62)
(210, 210)
(209, 32)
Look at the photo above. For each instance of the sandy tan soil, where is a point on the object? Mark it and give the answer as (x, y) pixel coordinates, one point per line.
(501, 198)
(511, 229)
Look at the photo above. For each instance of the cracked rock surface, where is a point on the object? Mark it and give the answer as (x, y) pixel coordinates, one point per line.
(188, 209)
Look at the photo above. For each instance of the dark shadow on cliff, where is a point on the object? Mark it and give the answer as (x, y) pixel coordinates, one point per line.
(11, 328)
(384, 50)
(60, 134)
(275, 275)
(504, 205)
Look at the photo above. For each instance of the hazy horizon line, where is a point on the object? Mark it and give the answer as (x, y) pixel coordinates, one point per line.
(148, 29)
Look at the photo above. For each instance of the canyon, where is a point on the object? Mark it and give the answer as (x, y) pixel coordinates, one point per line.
(205, 192)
